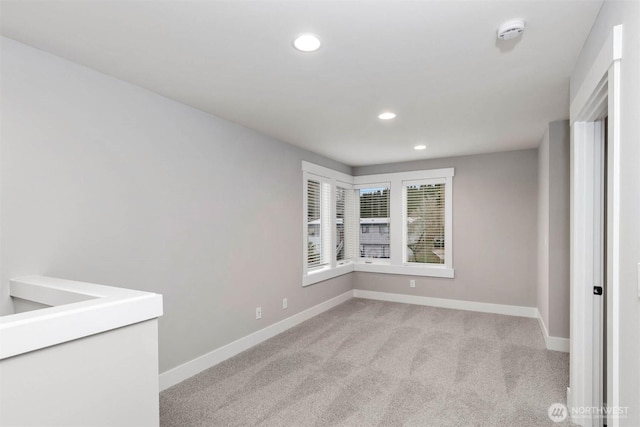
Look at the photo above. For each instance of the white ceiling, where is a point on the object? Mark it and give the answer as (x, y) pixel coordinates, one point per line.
(437, 64)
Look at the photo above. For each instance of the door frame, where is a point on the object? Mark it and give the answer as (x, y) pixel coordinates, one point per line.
(599, 95)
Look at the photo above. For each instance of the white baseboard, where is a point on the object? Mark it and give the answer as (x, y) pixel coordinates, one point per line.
(199, 364)
(552, 343)
(483, 307)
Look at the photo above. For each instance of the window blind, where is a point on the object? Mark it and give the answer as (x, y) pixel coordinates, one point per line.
(425, 219)
(318, 224)
(344, 224)
(374, 222)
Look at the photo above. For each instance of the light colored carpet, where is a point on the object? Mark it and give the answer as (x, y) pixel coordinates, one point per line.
(372, 363)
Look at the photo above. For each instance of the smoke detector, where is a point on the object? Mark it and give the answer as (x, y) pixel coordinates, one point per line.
(510, 29)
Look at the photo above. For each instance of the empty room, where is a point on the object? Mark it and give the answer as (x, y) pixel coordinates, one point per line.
(320, 213)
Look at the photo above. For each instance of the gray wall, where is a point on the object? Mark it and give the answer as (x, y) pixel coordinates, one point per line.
(559, 228)
(494, 231)
(553, 228)
(543, 229)
(628, 14)
(105, 182)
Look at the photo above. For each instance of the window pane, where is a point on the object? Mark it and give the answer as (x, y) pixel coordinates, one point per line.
(341, 194)
(425, 223)
(314, 237)
(374, 223)
(344, 224)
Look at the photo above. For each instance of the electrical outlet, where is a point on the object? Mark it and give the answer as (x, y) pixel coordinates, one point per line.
(285, 304)
(412, 283)
(258, 313)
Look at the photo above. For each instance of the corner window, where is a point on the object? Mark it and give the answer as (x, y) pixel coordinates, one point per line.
(329, 224)
(397, 223)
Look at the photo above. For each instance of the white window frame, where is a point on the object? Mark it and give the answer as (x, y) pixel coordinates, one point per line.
(325, 215)
(348, 223)
(357, 188)
(396, 263)
(334, 268)
(448, 253)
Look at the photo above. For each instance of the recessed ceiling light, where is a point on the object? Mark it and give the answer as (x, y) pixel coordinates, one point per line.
(307, 43)
(388, 115)
(420, 147)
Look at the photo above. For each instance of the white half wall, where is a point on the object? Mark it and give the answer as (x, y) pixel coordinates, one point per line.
(108, 379)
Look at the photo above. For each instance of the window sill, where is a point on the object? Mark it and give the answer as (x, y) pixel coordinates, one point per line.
(326, 274)
(409, 270)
